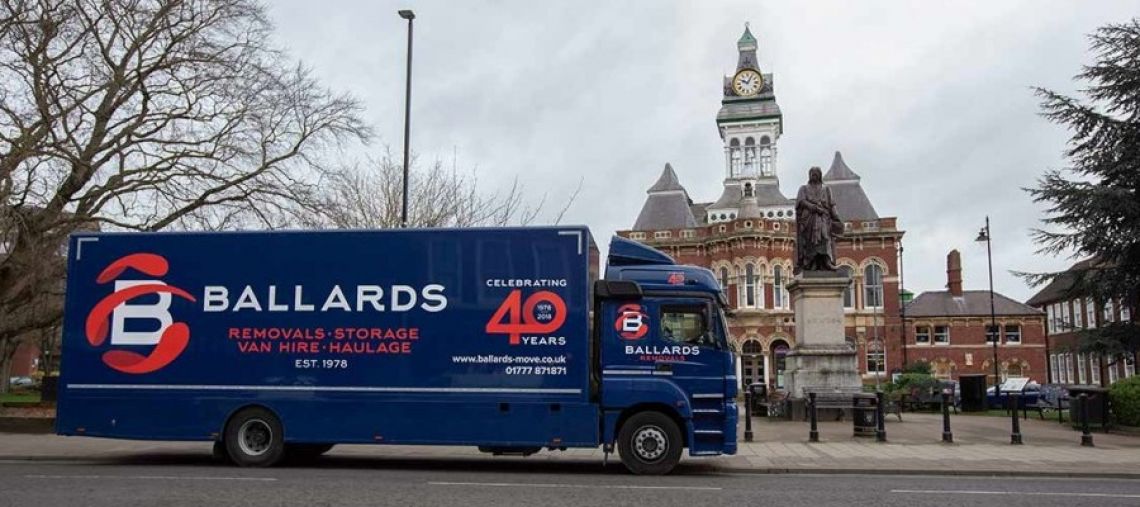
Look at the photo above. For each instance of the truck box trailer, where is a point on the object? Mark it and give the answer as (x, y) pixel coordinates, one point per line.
(287, 343)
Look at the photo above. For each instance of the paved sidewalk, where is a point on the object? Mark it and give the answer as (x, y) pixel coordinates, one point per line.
(981, 448)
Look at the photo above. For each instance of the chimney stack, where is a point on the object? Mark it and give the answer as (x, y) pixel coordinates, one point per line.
(954, 273)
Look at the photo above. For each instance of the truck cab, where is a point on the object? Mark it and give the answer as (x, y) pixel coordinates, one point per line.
(667, 371)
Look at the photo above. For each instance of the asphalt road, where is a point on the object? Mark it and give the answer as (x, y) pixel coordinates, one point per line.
(172, 481)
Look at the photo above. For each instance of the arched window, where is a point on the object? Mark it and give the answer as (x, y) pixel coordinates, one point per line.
(748, 192)
(752, 362)
(739, 288)
(749, 156)
(873, 286)
(849, 292)
(734, 157)
(765, 156)
(724, 280)
(779, 293)
(750, 285)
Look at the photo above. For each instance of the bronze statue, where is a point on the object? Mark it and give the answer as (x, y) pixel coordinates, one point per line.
(817, 225)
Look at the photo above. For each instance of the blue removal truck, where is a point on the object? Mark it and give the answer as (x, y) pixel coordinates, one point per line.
(275, 344)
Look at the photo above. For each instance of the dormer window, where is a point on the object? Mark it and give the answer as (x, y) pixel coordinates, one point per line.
(748, 191)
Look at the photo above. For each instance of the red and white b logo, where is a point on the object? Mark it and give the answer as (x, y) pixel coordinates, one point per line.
(169, 339)
(631, 322)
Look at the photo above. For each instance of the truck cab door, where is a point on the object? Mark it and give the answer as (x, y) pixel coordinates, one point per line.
(677, 345)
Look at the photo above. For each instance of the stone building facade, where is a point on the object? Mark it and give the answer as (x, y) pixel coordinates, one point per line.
(953, 331)
(747, 236)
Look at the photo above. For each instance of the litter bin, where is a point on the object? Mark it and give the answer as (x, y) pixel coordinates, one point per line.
(1098, 405)
(863, 414)
(973, 392)
(759, 399)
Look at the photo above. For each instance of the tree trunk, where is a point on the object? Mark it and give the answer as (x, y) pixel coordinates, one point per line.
(5, 373)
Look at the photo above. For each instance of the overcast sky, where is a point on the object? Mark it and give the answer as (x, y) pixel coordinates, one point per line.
(929, 103)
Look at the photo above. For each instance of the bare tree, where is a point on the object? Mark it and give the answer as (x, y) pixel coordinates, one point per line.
(369, 195)
(147, 115)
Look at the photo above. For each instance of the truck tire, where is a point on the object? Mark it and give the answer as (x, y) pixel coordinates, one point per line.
(219, 452)
(254, 438)
(650, 443)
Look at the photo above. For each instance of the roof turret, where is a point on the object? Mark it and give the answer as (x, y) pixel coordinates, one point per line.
(851, 201)
(667, 206)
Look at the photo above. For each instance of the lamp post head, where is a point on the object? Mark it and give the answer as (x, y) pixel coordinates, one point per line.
(407, 14)
(983, 235)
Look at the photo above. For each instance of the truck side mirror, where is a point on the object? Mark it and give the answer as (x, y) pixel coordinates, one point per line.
(617, 289)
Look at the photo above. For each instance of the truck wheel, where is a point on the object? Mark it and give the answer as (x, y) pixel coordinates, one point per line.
(219, 452)
(255, 438)
(650, 444)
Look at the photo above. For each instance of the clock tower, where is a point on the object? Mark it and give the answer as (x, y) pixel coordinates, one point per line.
(750, 125)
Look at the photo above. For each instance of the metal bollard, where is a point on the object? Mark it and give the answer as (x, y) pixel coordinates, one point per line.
(1086, 437)
(1015, 436)
(947, 436)
(748, 414)
(813, 435)
(880, 422)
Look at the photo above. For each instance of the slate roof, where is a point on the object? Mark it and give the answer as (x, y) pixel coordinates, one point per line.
(851, 201)
(839, 170)
(1061, 286)
(767, 194)
(700, 212)
(667, 181)
(667, 206)
(747, 109)
(970, 303)
(729, 198)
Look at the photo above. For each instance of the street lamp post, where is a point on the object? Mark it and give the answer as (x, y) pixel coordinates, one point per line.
(408, 15)
(902, 308)
(984, 235)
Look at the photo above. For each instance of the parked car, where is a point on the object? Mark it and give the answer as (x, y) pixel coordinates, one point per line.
(21, 382)
(1029, 396)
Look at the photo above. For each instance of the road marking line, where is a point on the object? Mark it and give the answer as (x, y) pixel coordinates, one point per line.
(1019, 493)
(582, 486)
(153, 477)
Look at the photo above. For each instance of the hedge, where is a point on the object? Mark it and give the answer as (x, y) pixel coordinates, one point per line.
(1125, 398)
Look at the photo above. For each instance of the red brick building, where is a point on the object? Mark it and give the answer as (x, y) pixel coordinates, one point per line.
(952, 330)
(1066, 315)
(25, 361)
(746, 236)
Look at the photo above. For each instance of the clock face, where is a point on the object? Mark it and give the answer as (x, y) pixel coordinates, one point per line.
(747, 83)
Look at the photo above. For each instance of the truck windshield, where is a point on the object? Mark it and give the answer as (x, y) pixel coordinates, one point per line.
(723, 338)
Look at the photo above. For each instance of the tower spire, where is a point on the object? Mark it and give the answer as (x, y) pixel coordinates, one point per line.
(747, 42)
(747, 47)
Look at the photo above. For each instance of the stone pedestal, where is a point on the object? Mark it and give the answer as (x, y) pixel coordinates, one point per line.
(822, 357)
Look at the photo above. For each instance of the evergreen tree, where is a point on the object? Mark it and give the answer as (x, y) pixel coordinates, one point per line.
(1094, 203)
